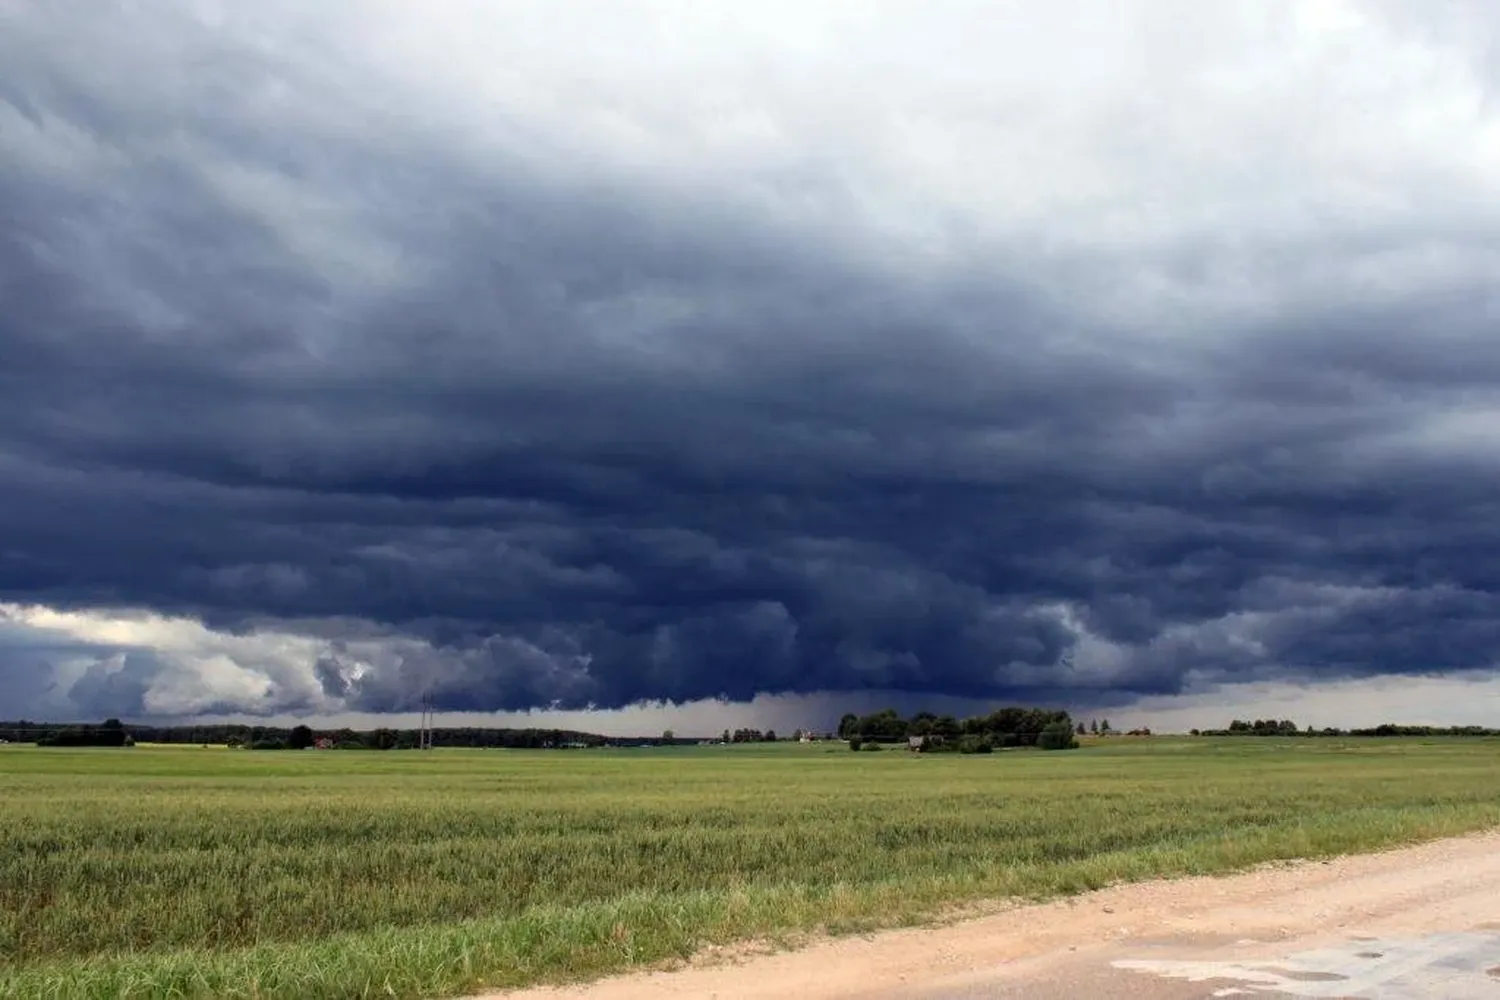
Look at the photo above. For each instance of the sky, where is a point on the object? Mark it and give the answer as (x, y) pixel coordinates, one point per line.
(696, 364)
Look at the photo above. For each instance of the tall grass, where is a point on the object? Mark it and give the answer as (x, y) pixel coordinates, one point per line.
(144, 873)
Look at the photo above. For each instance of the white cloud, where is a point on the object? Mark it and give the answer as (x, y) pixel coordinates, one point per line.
(198, 668)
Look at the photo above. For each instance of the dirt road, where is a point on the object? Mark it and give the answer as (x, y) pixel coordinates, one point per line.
(1421, 922)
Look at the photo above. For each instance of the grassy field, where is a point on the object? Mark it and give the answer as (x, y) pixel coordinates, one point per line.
(168, 872)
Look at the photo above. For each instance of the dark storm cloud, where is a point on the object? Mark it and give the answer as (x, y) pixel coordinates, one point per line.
(285, 350)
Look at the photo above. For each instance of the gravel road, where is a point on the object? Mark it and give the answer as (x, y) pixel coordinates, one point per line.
(1420, 922)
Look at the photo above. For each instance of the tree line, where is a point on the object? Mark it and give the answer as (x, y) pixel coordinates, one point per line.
(113, 733)
(1286, 727)
(1012, 726)
(747, 735)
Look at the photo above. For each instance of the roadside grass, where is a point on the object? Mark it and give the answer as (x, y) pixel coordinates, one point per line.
(152, 872)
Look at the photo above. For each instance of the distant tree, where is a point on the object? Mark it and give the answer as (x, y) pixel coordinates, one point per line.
(1094, 726)
(770, 736)
(1082, 729)
(854, 743)
(921, 724)
(1104, 726)
(1057, 736)
(300, 738)
(797, 735)
(947, 727)
(885, 724)
(725, 737)
(976, 744)
(667, 736)
(1012, 725)
(111, 734)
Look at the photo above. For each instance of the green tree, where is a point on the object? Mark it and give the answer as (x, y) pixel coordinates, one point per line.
(922, 724)
(300, 738)
(947, 727)
(111, 734)
(1057, 736)
(976, 744)
(885, 724)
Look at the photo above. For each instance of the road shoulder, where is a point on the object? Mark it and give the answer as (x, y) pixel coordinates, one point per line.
(1447, 886)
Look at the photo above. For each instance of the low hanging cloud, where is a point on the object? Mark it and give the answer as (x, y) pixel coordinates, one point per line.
(552, 358)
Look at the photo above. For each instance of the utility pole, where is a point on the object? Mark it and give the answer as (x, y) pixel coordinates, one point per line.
(424, 736)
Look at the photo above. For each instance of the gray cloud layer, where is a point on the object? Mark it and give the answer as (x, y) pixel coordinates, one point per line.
(553, 357)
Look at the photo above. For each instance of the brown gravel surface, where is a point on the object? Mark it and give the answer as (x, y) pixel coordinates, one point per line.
(1059, 948)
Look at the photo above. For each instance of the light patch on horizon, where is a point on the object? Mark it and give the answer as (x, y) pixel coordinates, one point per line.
(202, 671)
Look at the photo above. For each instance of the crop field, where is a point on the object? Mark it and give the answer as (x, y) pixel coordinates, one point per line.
(151, 872)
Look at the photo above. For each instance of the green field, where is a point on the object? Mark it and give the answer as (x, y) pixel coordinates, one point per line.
(168, 872)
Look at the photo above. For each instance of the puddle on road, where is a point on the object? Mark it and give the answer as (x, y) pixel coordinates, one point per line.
(1313, 977)
(1440, 965)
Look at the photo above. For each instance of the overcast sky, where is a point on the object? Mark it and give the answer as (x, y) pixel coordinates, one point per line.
(658, 358)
